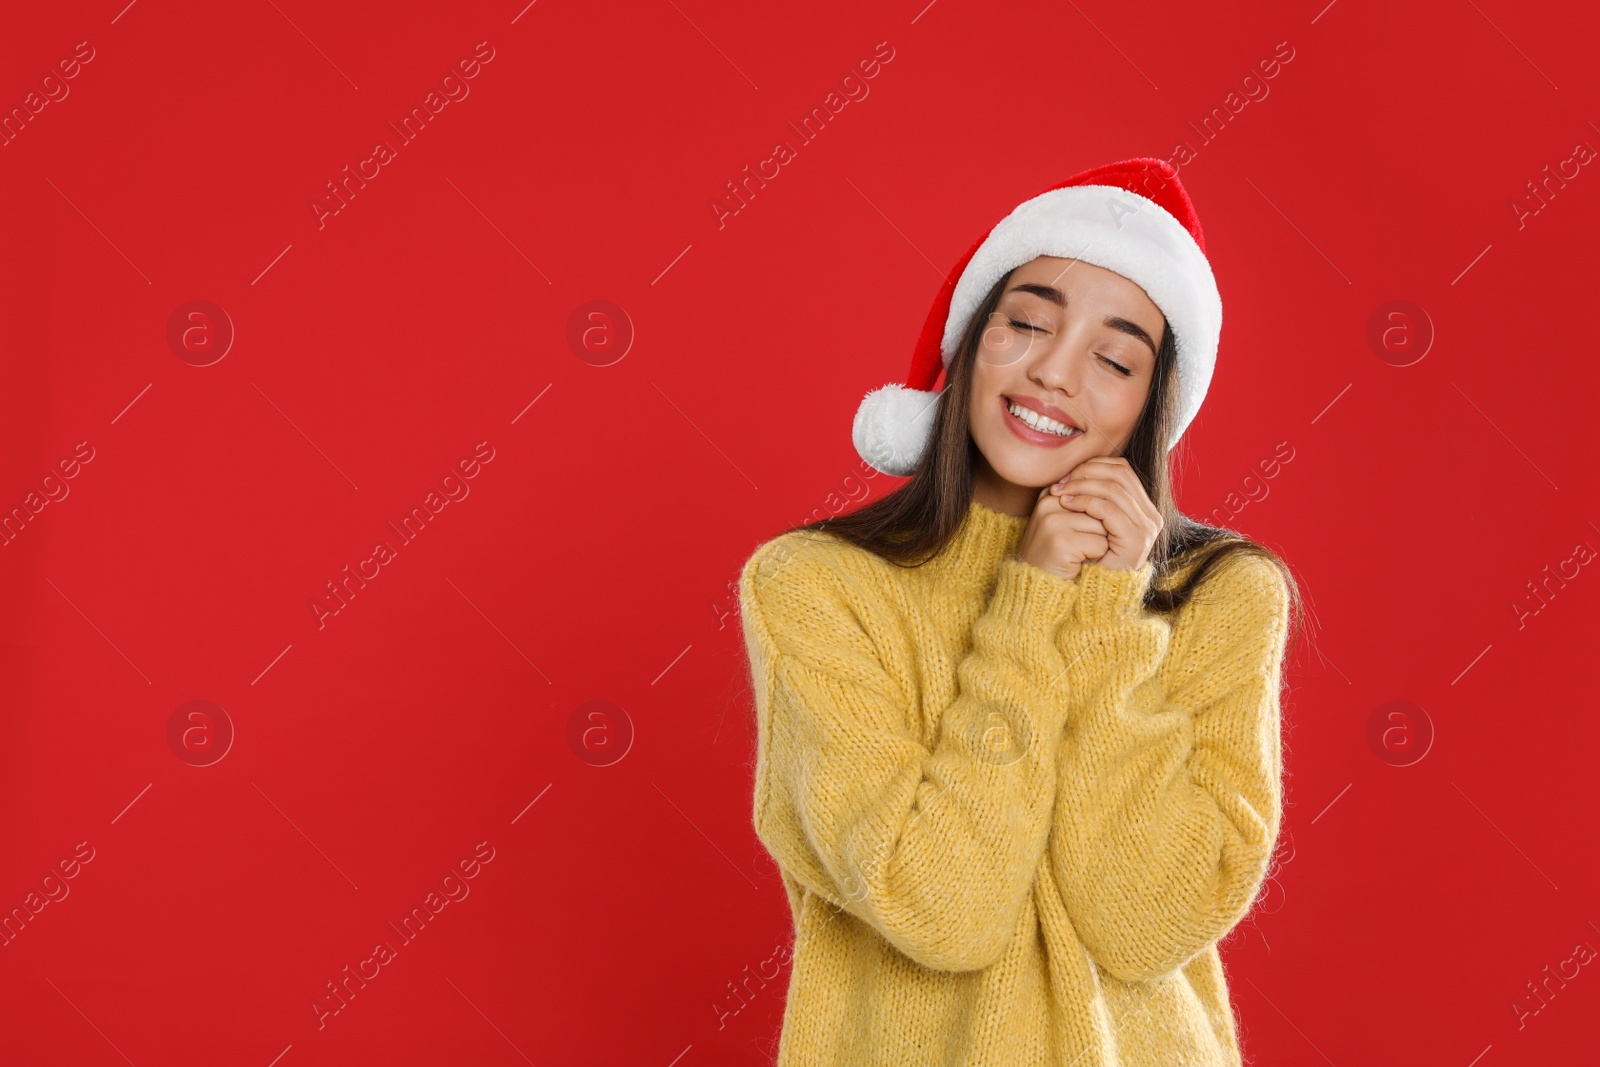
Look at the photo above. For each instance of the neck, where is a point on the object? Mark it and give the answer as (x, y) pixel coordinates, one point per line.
(997, 494)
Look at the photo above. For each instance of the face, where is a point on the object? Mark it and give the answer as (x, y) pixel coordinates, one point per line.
(1075, 344)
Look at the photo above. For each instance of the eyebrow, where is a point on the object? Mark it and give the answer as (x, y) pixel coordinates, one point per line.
(1058, 298)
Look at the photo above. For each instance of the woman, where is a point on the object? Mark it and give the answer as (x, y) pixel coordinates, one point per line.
(1018, 757)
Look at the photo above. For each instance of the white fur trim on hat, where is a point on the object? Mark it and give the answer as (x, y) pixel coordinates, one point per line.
(892, 428)
(1123, 232)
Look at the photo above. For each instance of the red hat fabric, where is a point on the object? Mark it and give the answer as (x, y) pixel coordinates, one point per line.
(1133, 217)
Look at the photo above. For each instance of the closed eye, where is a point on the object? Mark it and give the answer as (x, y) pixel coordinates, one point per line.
(1124, 371)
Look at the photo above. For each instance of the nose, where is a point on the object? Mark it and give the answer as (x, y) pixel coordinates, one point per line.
(1059, 370)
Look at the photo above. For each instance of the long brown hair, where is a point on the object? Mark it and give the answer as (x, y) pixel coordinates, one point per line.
(912, 524)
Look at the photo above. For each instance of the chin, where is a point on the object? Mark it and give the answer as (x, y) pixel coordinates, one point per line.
(1034, 471)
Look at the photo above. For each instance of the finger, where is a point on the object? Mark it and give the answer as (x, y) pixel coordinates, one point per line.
(1109, 511)
(1114, 520)
(1118, 472)
(1137, 494)
(1082, 522)
(1109, 487)
(1117, 520)
(1114, 468)
(1112, 492)
(1124, 486)
(1046, 503)
(1078, 522)
(1094, 542)
(1103, 465)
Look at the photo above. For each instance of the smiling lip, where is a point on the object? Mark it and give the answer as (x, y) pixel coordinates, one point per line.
(1028, 433)
(1047, 410)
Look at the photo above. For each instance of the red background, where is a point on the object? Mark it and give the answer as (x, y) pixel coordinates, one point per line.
(591, 561)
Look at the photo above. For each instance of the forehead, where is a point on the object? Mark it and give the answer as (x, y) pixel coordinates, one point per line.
(1075, 276)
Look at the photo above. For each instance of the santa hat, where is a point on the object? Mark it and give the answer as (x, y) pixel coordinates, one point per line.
(1132, 217)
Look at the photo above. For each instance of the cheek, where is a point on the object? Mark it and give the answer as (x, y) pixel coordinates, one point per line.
(1000, 347)
(1131, 400)
(1120, 408)
(985, 382)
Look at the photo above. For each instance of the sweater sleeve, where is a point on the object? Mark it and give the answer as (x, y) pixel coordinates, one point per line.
(1168, 801)
(935, 848)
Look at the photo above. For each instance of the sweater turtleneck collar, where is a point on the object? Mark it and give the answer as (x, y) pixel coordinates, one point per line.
(985, 538)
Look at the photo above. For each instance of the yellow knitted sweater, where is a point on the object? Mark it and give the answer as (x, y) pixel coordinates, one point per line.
(1013, 812)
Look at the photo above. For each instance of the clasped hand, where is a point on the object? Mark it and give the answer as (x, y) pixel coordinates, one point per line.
(1099, 510)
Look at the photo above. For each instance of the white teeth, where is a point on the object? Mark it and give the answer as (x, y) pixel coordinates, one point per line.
(1041, 422)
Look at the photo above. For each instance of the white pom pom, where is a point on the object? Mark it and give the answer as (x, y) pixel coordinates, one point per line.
(893, 426)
